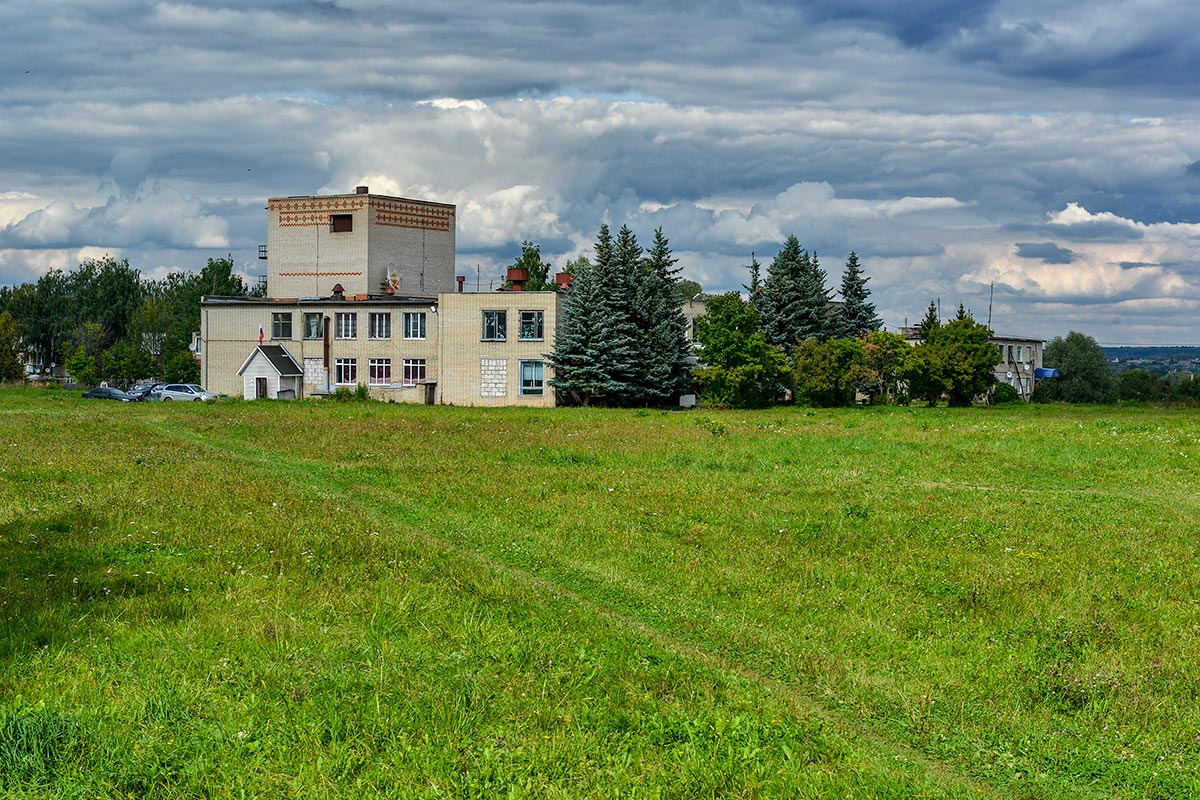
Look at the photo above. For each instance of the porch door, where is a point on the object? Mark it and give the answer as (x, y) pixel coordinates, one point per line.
(260, 388)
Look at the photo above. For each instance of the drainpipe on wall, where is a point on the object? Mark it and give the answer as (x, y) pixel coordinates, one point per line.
(325, 337)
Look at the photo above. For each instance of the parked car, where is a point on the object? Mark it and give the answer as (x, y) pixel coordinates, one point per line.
(142, 391)
(107, 393)
(183, 391)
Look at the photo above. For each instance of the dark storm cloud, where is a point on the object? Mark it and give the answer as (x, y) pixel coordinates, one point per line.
(1046, 252)
(928, 137)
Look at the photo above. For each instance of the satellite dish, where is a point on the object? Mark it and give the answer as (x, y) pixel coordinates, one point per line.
(1010, 374)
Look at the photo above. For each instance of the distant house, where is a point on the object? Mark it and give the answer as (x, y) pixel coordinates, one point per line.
(1020, 357)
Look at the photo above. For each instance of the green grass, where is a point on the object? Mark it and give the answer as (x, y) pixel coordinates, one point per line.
(339, 600)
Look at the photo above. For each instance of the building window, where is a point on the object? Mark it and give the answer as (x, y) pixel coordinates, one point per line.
(1020, 353)
(381, 326)
(346, 371)
(281, 325)
(312, 326)
(414, 324)
(532, 378)
(414, 371)
(347, 326)
(341, 223)
(380, 371)
(531, 325)
(495, 326)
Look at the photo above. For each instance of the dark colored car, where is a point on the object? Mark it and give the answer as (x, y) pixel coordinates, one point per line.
(108, 393)
(142, 391)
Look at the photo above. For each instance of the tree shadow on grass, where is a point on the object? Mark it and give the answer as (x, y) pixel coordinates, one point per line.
(58, 582)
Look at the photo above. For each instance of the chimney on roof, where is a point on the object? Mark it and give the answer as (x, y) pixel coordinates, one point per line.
(338, 292)
(563, 279)
(461, 280)
(361, 190)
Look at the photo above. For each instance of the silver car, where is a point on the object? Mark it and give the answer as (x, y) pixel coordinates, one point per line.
(183, 391)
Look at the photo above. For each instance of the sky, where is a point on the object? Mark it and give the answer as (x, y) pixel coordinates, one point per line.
(1041, 153)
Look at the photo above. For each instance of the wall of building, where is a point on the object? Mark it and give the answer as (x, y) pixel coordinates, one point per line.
(306, 258)
(477, 372)
(230, 333)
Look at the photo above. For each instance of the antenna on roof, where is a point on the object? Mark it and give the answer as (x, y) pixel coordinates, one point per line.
(991, 291)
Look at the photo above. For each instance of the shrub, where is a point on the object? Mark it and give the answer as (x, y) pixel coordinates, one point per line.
(1006, 394)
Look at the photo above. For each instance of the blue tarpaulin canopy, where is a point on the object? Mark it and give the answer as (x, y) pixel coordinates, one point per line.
(1045, 372)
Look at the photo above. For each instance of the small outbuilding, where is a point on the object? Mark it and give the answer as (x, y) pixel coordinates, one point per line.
(271, 372)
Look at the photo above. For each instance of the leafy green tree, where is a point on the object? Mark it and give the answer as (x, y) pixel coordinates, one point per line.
(125, 362)
(857, 315)
(81, 366)
(827, 373)
(742, 369)
(1086, 375)
(924, 374)
(182, 368)
(966, 359)
(887, 360)
(45, 318)
(686, 290)
(106, 292)
(1138, 385)
(539, 271)
(10, 365)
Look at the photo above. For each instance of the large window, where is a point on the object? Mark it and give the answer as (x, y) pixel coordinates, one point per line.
(495, 326)
(345, 371)
(381, 326)
(414, 371)
(381, 371)
(414, 324)
(532, 382)
(281, 325)
(531, 325)
(312, 326)
(341, 223)
(347, 326)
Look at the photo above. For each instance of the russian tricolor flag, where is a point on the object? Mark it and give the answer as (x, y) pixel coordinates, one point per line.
(260, 334)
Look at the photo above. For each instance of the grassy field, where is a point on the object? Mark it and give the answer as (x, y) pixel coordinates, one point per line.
(323, 600)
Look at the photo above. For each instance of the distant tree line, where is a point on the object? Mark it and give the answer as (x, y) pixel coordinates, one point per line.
(1087, 377)
(104, 320)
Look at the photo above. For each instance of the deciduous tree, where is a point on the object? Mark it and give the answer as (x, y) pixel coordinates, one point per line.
(741, 368)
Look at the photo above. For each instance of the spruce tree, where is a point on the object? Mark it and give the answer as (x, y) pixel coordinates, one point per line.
(858, 315)
(930, 323)
(780, 300)
(596, 348)
(665, 369)
(755, 287)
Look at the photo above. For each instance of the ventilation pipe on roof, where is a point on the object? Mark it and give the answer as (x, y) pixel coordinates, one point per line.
(361, 190)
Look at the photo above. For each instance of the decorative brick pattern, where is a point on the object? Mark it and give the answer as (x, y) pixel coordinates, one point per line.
(311, 212)
(411, 214)
(493, 377)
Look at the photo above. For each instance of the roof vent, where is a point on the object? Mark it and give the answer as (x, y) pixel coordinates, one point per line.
(361, 190)
(338, 292)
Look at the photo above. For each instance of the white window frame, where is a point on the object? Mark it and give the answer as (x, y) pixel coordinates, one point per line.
(538, 321)
(499, 326)
(413, 372)
(379, 325)
(537, 381)
(345, 371)
(414, 324)
(347, 325)
(379, 371)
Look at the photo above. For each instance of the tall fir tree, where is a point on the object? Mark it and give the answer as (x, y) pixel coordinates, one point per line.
(857, 316)
(665, 366)
(596, 348)
(795, 303)
(930, 323)
(755, 288)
